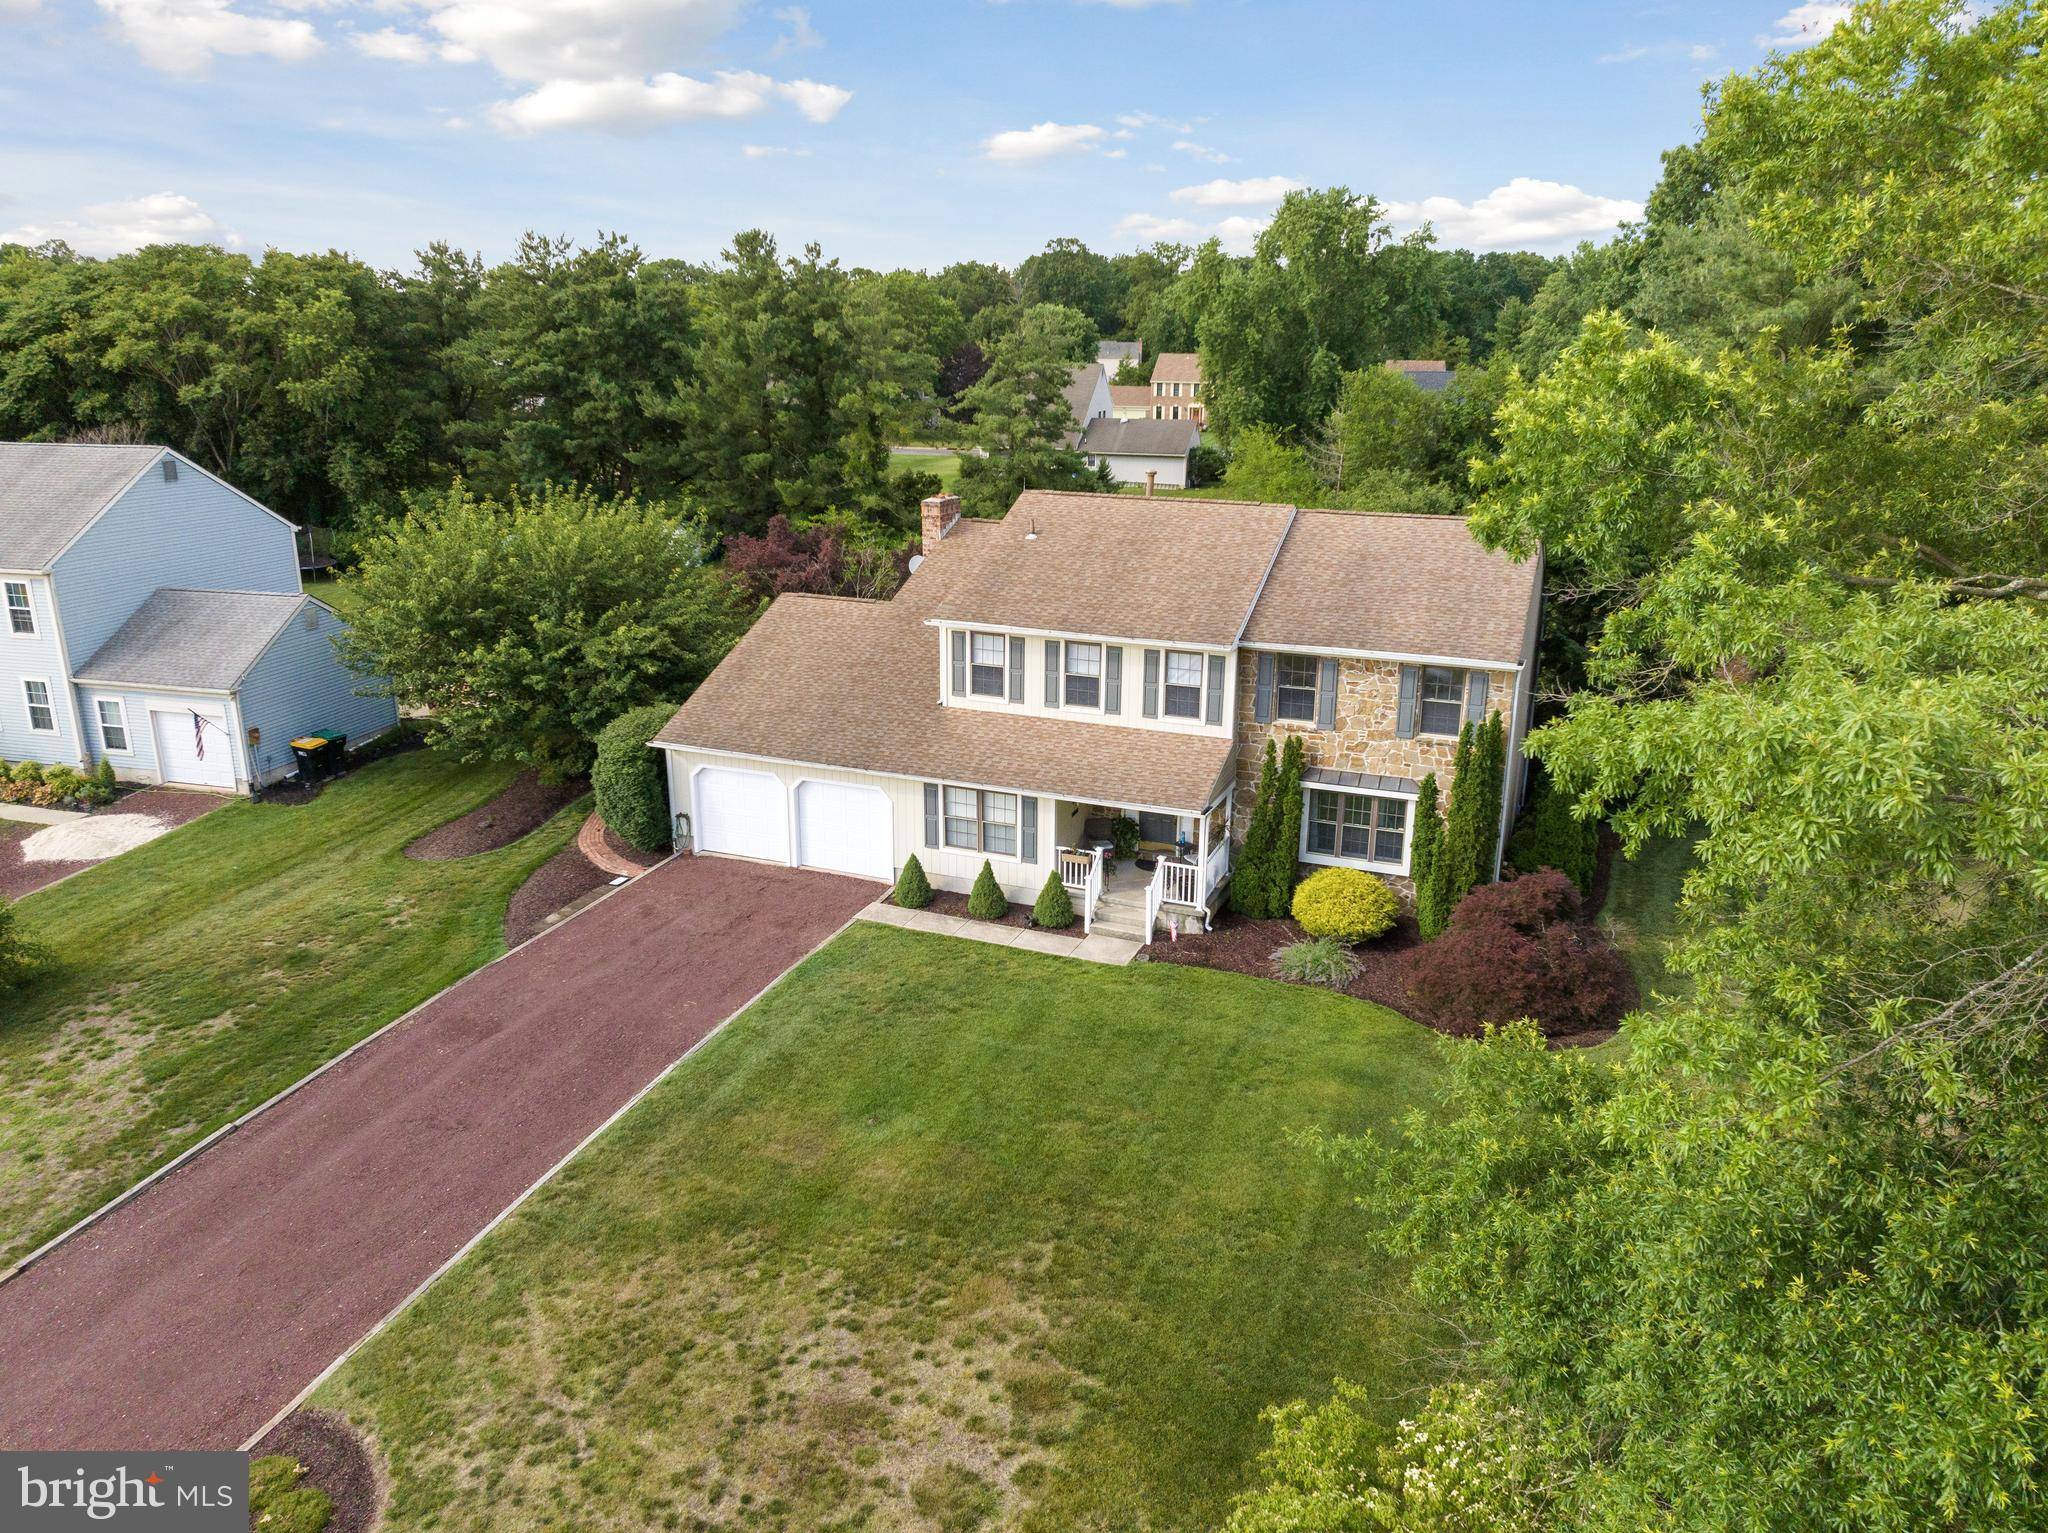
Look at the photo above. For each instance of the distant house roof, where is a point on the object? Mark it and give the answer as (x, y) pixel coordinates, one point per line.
(51, 491)
(1140, 438)
(1113, 354)
(1177, 367)
(197, 641)
(1130, 396)
(1080, 389)
(1430, 377)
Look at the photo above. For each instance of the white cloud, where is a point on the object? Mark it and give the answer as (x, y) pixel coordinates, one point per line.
(184, 36)
(1150, 226)
(1696, 53)
(773, 151)
(1115, 154)
(800, 34)
(1153, 120)
(1239, 233)
(1042, 141)
(398, 47)
(820, 103)
(1524, 214)
(19, 10)
(1259, 191)
(638, 106)
(1804, 25)
(111, 228)
(1201, 151)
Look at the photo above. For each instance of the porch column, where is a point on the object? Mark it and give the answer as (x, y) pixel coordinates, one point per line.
(1202, 855)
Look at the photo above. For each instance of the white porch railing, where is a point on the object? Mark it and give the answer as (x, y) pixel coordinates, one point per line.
(1218, 866)
(1081, 873)
(1155, 893)
(1180, 883)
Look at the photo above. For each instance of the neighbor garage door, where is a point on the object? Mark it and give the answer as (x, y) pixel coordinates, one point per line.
(192, 746)
(844, 829)
(742, 813)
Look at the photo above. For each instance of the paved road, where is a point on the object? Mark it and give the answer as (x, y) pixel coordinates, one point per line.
(190, 1316)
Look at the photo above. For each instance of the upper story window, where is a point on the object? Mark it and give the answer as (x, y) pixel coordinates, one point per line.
(1358, 827)
(1294, 692)
(1159, 390)
(1183, 685)
(1084, 676)
(990, 655)
(42, 716)
(21, 617)
(1443, 700)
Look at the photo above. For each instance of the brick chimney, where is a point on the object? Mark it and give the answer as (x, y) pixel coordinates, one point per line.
(937, 514)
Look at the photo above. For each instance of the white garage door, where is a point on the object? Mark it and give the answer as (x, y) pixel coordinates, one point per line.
(844, 829)
(742, 813)
(192, 746)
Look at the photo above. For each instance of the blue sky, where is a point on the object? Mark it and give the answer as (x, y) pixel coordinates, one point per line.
(912, 133)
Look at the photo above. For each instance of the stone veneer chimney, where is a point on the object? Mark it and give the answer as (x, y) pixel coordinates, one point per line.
(937, 514)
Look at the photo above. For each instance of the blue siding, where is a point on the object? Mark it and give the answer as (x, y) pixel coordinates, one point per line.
(194, 531)
(300, 684)
(36, 655)
(139, 764)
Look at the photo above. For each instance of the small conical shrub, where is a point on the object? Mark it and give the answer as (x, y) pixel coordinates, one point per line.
(105, 775)
(913, 889)
(987, 902)
(1054, 910)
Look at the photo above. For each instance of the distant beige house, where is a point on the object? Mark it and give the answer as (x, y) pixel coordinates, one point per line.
(1177, 388)
(1130, 401)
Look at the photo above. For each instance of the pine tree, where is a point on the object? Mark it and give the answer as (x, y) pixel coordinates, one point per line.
(1247, 881)
(1283, 857)
(1489, 767)
(1426, 863)
(1461, 833)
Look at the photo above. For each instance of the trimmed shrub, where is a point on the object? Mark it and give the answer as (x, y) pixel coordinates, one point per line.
(986, 901)
(913, 889)
(1426, 864)
(1248, 878)
(1348, 904)
(627, 778)
(20, 959)
(1519, 950)
(1283, 857)
(1053, 910)
(278, 1503)
(1318, 961)
(104, 785)
(1549, 835)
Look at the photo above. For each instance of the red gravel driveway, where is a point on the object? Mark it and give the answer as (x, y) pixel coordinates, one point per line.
(191, 1315)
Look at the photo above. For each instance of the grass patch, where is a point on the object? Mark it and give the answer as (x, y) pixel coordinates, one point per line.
(209, 969)
(1641, 913)
(339, 592)
(937, 1236)
(945, 465)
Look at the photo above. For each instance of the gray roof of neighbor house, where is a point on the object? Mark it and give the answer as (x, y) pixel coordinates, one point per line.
(1140, 438)
(1430, 377)
(1392, 584)
(200, 641)
(1177, 367)
(1119, 351)
(51, 491)
(1080, 388)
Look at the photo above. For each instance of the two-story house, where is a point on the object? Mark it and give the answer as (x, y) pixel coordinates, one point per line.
(1089, 656)
(1177, 388)
(154, 618)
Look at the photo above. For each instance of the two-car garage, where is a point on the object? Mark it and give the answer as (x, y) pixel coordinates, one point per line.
(840, 827)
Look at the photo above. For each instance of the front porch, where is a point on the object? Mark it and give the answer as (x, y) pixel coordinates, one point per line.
(1177, 872)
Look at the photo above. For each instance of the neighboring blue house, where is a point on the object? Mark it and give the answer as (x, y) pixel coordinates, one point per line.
(152, 614)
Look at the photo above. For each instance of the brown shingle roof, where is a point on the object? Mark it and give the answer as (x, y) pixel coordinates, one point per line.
(1130, 396)
(1408, 585)
(1177, 367)
(1123, 566)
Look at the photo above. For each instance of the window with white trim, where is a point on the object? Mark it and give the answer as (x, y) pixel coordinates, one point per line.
(42, 714)
(1294, 690)
(113, 725)
(1443, 700)
(1183, 685)
(987, 676)
(21, 616)
(1356, 827)
(1084, 675)
(981, 821)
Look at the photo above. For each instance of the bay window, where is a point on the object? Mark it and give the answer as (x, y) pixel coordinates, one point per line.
(1356, 827)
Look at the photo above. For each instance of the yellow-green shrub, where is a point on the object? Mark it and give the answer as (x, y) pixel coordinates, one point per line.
(1345, 903)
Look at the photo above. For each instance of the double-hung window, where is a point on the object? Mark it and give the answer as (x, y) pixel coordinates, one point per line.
(113, 724)
(991, 654)
(1294, 692)
(1084, 676)
(1357, 827)
(980, 821)
(42, 715)
(21, 617)
(1183, 685)
(1443, 700)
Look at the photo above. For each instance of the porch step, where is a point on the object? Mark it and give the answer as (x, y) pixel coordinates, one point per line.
(1122, 916)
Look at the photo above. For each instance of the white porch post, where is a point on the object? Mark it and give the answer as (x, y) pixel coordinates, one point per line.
(1202, 854)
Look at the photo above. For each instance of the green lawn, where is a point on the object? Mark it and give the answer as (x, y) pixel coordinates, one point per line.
(937, 1236)
(205, 971)
(947, 466)
(339, 593)
(1641, 913)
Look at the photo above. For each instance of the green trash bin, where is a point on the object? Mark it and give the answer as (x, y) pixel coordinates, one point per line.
(319, 754)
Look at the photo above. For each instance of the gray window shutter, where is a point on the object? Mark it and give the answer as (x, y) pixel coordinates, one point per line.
(1213, 710)
(1151, 709)
(1262, 695)
(1027, 831)
(1016, 670)
(1475, 696)
(1053, 666)
(959, 662)
(1326, 694)
(931, 814)
(1404, 713)
(1113, 679)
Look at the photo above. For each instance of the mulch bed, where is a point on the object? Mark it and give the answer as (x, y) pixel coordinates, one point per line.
(334, 1460)
(555, 885)
(626, 851)
(174, 806)
(520, 810)
(946, 903)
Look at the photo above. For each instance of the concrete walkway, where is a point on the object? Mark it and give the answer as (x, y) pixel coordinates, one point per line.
(1117, 951)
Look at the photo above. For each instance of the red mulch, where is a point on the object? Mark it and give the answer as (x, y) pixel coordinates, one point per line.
(626, 851)
(172, 805)
(946, 903)
(334, 1460)
(555, 885)
(520, 810)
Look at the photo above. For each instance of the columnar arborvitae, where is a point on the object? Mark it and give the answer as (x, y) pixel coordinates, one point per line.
(1461, 836)
(1426, 863)
(1490, 768)
(1283, 856)
(1247, 879)
(1473, 834)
